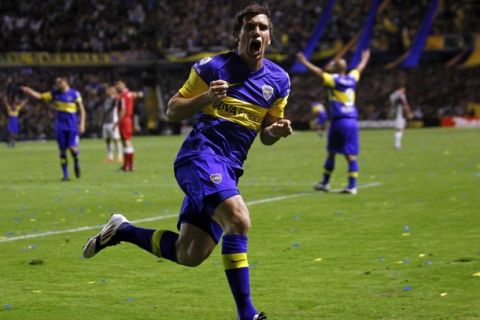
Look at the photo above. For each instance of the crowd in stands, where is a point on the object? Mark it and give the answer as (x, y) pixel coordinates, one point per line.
(185, 26)
(164, 26)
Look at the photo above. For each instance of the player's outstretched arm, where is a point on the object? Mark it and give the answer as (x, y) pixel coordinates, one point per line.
(274, 128)
(364, 60)
(137, 94)
(181, 108)
(310, 66)
(32, 93)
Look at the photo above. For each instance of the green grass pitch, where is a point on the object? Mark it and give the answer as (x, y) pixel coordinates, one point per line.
(406, 247)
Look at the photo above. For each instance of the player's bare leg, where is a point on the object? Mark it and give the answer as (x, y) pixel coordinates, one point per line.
(109, 158)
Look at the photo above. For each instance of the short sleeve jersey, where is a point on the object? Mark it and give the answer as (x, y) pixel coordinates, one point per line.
(126, 101)
(65, 104)
(227, 128)
(341, 94)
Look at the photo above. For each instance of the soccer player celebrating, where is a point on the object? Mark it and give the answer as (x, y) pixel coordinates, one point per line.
(343, 131)
(319, 122)
(399, 103)
(13, 111)
(110, 132)
(234, 96)
(125, 121)
(67, 102)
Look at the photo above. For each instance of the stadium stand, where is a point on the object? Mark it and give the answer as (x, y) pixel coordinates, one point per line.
(151, 44)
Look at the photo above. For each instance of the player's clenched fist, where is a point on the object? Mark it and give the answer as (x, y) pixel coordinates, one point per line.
(218, 89)
(281, 128)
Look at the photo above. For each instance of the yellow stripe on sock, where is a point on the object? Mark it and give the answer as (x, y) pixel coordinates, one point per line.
(353, 174)
(156, 237)
(327, 172)
(235, 261)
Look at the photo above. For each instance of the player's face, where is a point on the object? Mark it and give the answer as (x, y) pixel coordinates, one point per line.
(336, 66)
(119, 86)
(111, 91)
(61, 84)
(254, 37)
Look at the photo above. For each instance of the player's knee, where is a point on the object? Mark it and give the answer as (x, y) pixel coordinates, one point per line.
(239, 223)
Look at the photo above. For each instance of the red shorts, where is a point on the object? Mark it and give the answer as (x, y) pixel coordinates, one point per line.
(126, 130)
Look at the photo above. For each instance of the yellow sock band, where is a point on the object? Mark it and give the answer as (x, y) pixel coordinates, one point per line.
(157, 235)
(353, 174)
(235, 261)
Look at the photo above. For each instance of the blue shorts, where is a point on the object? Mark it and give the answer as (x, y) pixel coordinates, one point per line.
(343, 136)
(206, 182)
(321, 118)
(13, 125)
(66, 138)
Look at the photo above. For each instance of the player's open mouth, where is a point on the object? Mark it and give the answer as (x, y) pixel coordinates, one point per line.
(255, 46)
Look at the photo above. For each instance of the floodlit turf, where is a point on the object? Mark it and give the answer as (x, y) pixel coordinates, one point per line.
(406, 247)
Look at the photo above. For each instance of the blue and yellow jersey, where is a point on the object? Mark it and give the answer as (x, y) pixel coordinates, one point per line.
(15, 111)
(341, 94)
(319, 112)
(65, 104)
(228, 127)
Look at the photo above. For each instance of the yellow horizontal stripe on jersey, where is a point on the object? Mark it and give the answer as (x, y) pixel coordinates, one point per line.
(238, 111)
(70, 107)
(343, 97)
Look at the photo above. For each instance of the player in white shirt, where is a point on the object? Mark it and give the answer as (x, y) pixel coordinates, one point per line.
(110, 132)
(401, 108)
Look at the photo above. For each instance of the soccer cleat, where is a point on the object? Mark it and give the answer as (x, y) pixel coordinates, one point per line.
(64, 179)
(349, 191)
(104, 238)
(260, 316)
(322, 187)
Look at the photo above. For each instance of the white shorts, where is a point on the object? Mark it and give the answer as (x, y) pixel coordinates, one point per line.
(109, 133)
(400, 123)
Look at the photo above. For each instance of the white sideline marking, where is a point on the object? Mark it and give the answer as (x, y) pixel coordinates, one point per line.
(250, 203)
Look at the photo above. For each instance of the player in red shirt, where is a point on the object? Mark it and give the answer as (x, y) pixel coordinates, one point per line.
(125, 104)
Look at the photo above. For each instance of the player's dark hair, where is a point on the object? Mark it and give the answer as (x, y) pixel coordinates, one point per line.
(250, 11)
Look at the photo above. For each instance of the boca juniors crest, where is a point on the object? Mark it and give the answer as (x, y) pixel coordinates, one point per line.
(267, 91)
(216, 178)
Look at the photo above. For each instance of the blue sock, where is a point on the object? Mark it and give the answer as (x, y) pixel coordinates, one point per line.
(352, 173)
(234, 251)
(328, 169)
(159, 242)
(64, 163)
(139, 236)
